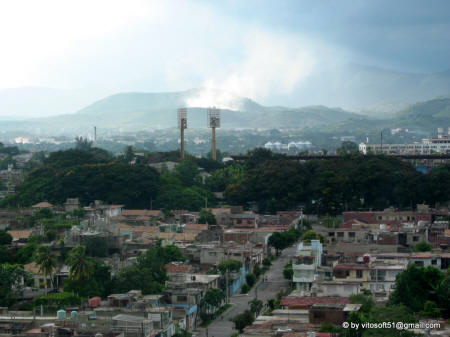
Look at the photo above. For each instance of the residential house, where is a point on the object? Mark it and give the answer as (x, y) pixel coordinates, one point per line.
(305, 264)
(162, 318)
(352, 272)
(71, 205)
(132, 325)
(244, 220)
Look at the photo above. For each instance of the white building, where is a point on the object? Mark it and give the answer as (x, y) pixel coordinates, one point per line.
(305, 264)
(441, 144)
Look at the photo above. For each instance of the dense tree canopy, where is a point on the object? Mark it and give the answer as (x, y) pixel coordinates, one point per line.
(149, 273)
(417, 285)
(272, 181)
(334, 185)
(118, 183)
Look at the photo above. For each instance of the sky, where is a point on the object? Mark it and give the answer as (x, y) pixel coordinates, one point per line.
(259, 49)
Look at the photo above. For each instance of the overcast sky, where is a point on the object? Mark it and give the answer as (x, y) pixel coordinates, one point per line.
(254, 48)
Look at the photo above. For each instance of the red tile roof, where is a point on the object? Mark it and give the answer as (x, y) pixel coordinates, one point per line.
(141, 212)
(351, 266)
(306, 302)
(20, 234)
(177, 268)
(43, 204)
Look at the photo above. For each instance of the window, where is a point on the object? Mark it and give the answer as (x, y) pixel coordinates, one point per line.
(239, 221)
(351, 234)
(359, 274)
(331, 234)
(434, 262)
(415, 238)
(182, 298)
(340, 234)
(418, 263)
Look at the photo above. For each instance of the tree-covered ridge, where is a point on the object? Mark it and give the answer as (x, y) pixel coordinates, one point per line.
(271, 181)
(330, 186)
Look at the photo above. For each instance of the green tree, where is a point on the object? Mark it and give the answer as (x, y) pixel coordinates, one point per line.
(4, 254)
(212, 300)
(46, 261)
(128, 155)
(311, 235)
(366, 301)
(99, 284)
(149, 273)
(328, 327)
(5, 238)
(206, 217)
(255, 306)
(288, 272)
(415, 286)
(82, 143)
(187, 172)
(430, 309)
(347, 148)
(81, 266)
(250, 279)
(242, 320)
(229, 266)
(25, 254)
(11, 277)
(97, 246)
(277, 241)
(422, 246)
(50, 235)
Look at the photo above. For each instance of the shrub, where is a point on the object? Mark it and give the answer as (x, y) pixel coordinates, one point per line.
(245, 288)
(251, 279)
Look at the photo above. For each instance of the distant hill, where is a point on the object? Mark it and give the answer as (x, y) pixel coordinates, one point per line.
(370, 90)
(424, 116)
(139, 111)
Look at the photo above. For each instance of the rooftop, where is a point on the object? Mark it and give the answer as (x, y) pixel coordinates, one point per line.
(309, 301)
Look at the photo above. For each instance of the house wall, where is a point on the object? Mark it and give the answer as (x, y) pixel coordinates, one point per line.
(338, 289)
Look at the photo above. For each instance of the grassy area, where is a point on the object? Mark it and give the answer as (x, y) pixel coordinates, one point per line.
(219, 312)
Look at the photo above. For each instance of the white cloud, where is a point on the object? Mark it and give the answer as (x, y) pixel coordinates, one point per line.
(271, 64)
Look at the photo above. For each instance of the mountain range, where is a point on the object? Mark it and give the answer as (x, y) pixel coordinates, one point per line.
(385, 99)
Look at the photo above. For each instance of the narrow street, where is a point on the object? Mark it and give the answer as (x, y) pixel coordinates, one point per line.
(263, 290)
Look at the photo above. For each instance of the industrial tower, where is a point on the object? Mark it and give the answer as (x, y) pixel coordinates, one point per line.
(213, 123)
(182, 124)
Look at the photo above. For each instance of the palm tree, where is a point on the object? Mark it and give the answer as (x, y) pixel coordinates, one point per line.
(46, 261)
(256, 306)
(81, 266)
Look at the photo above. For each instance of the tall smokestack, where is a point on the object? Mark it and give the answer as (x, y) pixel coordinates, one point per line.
(182, 124)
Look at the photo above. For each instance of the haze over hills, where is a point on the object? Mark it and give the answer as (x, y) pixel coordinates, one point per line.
(424, 116)
(363, 89)
(138, 111)
(371, 90)
(143, 111)
(32, 102)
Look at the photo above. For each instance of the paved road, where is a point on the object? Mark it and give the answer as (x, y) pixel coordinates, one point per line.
(264, 290)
